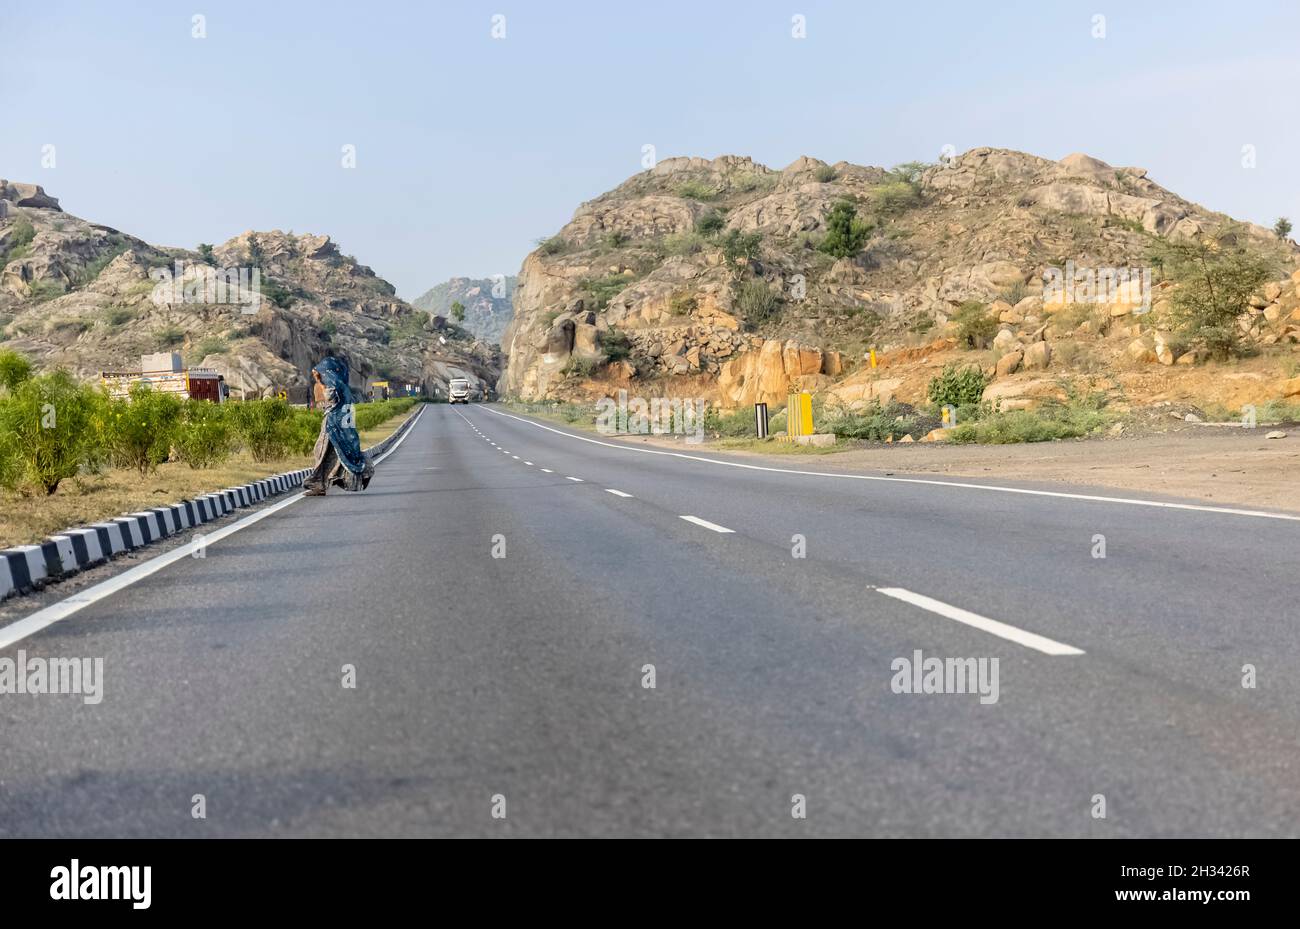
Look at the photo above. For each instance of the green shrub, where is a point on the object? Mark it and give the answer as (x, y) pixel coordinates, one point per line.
(579, 367)
(875, 422)
(846, 235)
(694, 190)
(11, 463)
(684, 243)
(204, 436)
(52, 426)
(205, 253)
(682, 303)
(277, 293)
(600, 290)
(740, 246)
(616, 345)
(893, 198)
(303, 429)
(14, 369)
(115, 317)
(20, 237)
(41, 291)
(734, 424)
(957, 386)
(142, 428)
(262, 427)
(756, 301)
(413, 325)
(615, 239)
(1043, 425)
(710, 223)
(975, 327)
(825, 174)
(1014, 293)
(1215, 283)
(212, 345)
(554, 245)
(168, 337)
(371, 415)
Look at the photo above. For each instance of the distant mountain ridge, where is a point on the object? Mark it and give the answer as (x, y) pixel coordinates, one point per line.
(487, 303)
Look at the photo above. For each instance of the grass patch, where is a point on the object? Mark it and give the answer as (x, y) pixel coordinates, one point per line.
(1045, 424)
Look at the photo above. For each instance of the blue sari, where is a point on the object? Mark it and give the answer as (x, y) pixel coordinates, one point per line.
(340, 424)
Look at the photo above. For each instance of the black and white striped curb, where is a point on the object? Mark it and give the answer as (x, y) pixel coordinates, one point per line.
(25, 568)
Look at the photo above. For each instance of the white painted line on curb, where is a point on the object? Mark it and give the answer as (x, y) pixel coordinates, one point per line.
(706, 524)
(29, 625)
(1092, 498)
(617, 493)
(1002, 630)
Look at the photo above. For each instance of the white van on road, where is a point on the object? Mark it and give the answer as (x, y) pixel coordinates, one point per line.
(458, 390)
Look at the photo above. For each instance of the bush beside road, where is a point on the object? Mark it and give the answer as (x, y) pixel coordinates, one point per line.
(71, 455)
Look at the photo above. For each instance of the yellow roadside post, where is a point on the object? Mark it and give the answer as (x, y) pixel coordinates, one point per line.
(798, 415)
(873, 356)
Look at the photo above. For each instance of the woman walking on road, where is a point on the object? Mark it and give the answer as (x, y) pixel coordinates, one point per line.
(339, 458)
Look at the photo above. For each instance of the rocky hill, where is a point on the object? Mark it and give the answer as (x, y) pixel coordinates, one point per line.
(89, 298)
(706, 278)
(487, 303)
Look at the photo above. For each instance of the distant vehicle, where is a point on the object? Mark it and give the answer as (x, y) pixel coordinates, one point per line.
(458, 390)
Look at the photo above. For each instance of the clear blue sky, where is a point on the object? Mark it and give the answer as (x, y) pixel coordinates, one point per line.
(469, 148)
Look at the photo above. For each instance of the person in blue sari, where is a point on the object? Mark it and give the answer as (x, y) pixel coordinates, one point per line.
(339, 458)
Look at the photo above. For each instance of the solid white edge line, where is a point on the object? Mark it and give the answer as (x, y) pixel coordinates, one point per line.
(1095, 498)
(992, 626)
(617, 493)
(706, 524)
(35, 622)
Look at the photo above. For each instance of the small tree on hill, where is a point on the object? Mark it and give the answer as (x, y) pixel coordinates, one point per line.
(845, 233)
(458, 311)
(1282, 227)
(1216, 280)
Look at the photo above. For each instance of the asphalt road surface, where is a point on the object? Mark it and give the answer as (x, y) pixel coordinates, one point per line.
(507, 696)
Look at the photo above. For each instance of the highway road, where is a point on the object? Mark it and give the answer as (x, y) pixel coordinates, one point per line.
(502, 587)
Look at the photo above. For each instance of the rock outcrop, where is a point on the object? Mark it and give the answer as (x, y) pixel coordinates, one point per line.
(702, 273)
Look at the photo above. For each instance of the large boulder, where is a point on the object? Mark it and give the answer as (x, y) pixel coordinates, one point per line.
(1038, 356)
(29, 195)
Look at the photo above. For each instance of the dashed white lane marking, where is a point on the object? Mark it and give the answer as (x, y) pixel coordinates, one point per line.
(16, 632)
(529, 463)
(617, 493)
(1002, 630)
(515, 457)
(1092, 498)
(548, 470)
(578, 479)
(706, 524)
